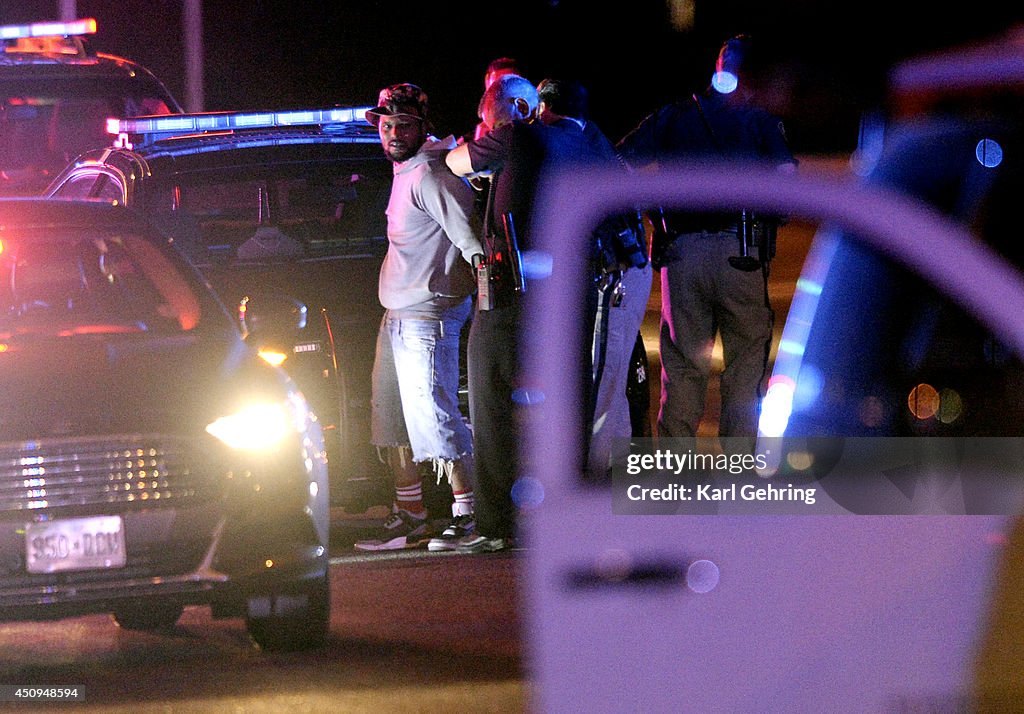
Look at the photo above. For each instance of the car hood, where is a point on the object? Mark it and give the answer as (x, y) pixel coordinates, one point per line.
(92, 385)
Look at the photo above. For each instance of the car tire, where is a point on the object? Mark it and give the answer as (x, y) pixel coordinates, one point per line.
(290, 619)
(150, 617)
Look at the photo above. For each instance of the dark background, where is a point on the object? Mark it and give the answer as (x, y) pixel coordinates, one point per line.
(831, 58)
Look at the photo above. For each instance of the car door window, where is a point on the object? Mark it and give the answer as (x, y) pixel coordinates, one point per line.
(312, 212)
(90, 184)
(887, 354)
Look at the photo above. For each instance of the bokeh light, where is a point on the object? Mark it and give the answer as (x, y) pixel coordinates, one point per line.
(923, 401)
(724, 82)
(527, 492)
(989, 153)
(951, 406)
(800, 460)
(871, 412)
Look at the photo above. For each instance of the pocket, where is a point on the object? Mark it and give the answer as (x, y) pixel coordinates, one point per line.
(664, 249)
(419, 334)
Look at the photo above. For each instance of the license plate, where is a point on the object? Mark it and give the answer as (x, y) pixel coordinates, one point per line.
(75, 544)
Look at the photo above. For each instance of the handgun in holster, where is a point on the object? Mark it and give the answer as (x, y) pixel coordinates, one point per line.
(499, 275)
(755, 231)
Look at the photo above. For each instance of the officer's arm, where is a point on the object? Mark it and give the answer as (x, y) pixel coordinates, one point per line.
(458, 161)
(639, 147)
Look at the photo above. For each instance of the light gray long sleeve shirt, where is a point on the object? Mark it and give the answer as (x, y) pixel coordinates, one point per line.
(433, 232)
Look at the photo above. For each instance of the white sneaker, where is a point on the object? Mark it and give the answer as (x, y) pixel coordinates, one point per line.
(460, 527)
(401, 530)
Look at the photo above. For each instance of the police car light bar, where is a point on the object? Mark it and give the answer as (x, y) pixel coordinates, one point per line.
(49, 29)
(177, 124)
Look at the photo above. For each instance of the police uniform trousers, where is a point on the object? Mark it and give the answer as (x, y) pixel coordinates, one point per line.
(612, 425)
(494, 367)
(702, 294)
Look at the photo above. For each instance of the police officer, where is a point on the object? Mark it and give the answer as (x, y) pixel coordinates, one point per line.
(703, 292)
(515, 150)
(622, 286)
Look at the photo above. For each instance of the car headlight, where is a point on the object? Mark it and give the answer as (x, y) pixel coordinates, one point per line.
(261, 426)
(272, 356)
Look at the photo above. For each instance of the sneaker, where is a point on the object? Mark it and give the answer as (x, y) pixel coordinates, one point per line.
(460, 527)
(483, 544)
(401, 530)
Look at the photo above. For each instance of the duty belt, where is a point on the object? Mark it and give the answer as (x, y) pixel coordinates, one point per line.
(678, 223)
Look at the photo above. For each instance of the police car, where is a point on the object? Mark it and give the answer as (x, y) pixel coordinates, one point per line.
(55, 96)
(283, 213)
(736, 605)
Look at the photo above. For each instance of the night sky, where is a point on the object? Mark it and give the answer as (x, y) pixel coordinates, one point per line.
(832, 57)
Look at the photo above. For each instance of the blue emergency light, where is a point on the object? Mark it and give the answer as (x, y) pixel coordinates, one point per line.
(145, 130)
(85, 26)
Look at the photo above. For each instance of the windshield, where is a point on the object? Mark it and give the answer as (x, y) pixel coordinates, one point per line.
(83, 281)
(46, 124)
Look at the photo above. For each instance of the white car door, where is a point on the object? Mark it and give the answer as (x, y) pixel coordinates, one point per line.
(749, 613)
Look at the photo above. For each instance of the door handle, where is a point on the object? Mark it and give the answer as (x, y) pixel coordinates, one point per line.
(618, 569)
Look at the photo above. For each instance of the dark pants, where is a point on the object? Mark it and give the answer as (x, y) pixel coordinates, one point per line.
(493, 355)
(701, 295)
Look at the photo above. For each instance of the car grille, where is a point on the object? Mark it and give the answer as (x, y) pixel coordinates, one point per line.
(127, 469)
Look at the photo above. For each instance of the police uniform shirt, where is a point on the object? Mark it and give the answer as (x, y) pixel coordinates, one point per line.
(518, 152)
(678, 130)
(514, 153)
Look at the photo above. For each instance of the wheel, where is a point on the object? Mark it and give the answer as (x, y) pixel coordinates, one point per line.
(149, 617)
(291, 620)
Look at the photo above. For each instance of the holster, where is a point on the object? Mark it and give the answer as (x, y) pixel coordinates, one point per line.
(494, 283)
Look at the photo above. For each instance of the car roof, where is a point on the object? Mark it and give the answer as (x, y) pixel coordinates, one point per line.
(53, 51)
(162, 145)
(98, 65)
(211, 131)
(226, 152)
(106, 73)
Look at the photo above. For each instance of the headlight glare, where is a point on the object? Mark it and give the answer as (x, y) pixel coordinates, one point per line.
(274, 357)
(257, 427)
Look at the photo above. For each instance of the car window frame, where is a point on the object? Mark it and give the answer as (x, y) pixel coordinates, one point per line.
(98, 172)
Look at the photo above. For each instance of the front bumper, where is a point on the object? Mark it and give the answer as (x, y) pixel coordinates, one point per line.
(209, 530)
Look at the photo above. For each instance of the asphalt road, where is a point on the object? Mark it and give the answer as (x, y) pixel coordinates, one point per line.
(410, 632)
